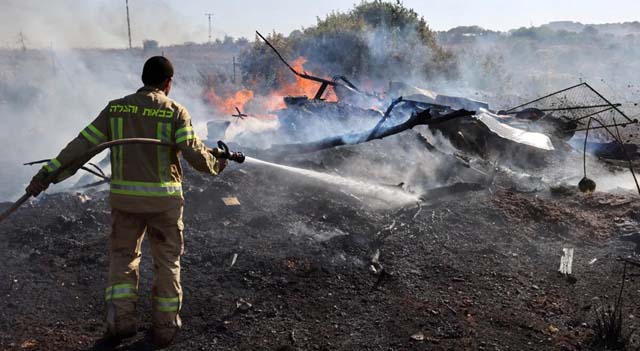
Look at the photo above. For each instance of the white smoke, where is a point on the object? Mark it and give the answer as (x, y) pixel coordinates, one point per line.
(95, 24)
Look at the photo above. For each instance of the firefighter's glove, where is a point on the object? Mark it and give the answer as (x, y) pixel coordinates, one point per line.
(217, 153)
(37, 184)
(221, 164)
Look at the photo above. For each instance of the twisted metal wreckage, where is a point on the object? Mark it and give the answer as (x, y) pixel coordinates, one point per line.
(550, 123)
(533, 128)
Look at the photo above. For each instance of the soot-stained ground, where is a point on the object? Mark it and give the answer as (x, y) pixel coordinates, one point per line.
(319, 269)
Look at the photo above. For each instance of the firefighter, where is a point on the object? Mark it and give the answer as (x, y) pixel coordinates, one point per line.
(145, 198)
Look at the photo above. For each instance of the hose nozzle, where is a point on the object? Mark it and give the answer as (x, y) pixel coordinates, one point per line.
(222, 151)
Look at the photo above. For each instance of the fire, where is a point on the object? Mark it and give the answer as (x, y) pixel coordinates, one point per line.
(303, 86)
(274, 100)
(228, 105)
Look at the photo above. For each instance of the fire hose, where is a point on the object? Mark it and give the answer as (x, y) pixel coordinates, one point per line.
(221, 152)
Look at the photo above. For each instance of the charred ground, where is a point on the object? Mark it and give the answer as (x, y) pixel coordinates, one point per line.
(473, 271)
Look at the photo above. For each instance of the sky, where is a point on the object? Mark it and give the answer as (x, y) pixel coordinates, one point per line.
(102, 23)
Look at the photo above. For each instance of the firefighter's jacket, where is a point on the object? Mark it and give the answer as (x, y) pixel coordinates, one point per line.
(144, 178)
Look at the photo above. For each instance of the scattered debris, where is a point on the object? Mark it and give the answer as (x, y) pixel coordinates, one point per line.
(634, 238)
(243, 306)
(231, 201)
(587, 186)
(29, 344)
(419, 336)
(375, 266)
(448, 306)
(420, 118)
(566, 261)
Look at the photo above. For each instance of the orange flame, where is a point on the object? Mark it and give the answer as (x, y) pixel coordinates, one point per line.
(299, 87)
(228, 105)
(274, 100)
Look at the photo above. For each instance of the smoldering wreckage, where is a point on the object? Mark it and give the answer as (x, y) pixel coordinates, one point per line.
(457, 248)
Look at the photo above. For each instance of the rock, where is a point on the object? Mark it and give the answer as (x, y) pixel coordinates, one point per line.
(243, 306)
(29, 344)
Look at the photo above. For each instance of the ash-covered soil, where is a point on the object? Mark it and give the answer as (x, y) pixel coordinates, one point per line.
(476, 271)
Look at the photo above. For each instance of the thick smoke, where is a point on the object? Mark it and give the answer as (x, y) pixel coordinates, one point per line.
(94, 24)
(54, 80)
(510, 67)
(50, 94)
(507, 69)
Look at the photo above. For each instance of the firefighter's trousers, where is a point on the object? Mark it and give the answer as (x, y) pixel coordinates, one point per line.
(164, 230)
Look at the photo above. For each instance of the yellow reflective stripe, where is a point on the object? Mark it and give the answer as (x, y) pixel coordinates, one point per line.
(93, 134)
(184, 134)
(185, 138)
(120, 148)
(146, 189)
(144, 193)
(52, 165)
(167, 304)
(151, 184)
(163, 133)
(116, 151)
(96, 131)
(120, 296)
(183, 130)
(89, 137)
(120, 291)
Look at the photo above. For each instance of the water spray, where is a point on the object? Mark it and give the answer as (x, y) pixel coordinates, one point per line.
(389, 195)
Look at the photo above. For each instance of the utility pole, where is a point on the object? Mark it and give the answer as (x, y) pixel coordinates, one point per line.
(53, 59)
(128, 22)
(23, 46)
(234, 70)
(209, 16)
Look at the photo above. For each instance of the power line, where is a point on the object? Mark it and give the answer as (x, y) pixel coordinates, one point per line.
(209, 15)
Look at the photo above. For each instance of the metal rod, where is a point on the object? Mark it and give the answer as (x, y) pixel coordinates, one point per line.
(626, 155)
(82, 159)
(623, 125)
(609, 102)
(546, 96)
(14, 207)
(607, 129)
(584, 151)
(386, 115)
(624, 150)
(593, 114)
(302, 75)
(568, 108)
(330, 82)
(100, 175)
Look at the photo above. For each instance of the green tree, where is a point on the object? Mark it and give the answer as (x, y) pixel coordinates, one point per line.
(374, 40)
